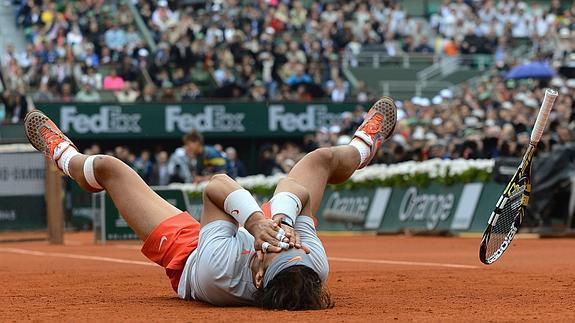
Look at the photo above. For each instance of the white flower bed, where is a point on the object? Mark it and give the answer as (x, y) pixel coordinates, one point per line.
(434, 168)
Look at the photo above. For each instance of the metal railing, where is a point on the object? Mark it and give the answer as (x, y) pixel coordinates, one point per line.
(429, 72)
(450, 64)
(413, 88)
(141, 25)
(377, 59)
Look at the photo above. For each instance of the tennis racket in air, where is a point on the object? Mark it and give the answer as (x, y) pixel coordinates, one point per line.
(509, 211)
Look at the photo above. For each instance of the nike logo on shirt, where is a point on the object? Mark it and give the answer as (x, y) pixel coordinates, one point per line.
(164, 238)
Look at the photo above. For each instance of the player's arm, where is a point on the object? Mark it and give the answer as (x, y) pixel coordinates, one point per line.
(290, 200)
(225, 200)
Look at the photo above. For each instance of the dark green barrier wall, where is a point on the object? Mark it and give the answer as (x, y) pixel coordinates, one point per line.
(111, 225)
(22, 205)
(154, 121)
(454, 208)
(22, 213)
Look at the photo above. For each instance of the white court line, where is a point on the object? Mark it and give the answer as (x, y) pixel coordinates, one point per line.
(144, 263)
(403, 263)
(65, 255)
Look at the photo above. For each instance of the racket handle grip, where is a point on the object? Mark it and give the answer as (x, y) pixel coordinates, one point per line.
(546, 106)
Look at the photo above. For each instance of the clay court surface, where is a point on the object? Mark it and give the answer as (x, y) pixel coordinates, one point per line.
(373, 278)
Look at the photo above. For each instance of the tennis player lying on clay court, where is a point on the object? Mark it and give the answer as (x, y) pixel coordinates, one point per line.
(274, 260)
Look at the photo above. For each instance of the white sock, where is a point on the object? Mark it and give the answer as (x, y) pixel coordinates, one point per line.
(65, 154)
(363, 149)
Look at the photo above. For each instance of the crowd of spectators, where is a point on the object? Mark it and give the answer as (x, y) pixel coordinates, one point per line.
(261, 50)
(74, 49)
(160, 167)
(291, 50)
(265, 50)
(488, 120)
(492, 27)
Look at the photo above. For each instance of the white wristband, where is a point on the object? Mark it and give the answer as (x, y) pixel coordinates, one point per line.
(240, 205)
(286, 203)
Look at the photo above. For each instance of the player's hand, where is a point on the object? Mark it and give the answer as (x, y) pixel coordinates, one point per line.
(264, 230)
(292, 235)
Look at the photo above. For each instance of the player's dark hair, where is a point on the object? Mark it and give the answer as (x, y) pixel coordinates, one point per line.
(193, 136)
(294, 288)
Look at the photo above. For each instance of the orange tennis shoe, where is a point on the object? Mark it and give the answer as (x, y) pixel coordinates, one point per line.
(45, 136)
(378, 126)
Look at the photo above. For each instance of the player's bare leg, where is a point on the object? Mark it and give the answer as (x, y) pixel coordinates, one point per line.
(141, 207)
(336, 164)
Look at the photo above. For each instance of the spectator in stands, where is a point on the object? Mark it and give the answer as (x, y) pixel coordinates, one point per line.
(143, 166)
(128, 69)
(124, 154)
(209, 161)
(92, 77)
(90, 57)
(87, 94)
(15, 104)
(43, 94)
(66, 94)
(115, 38)
(113, 81)
(237, 167)
(160, 174)
(362, 92)
(339, 91)
(9, 55)
(182, 163)
(298, 76)
(423, 46)
(128, 94)
(149, 94)
(163, 17)
(190, 92)
(267, 161)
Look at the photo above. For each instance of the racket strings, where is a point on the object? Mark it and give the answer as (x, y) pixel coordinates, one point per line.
(505, 221)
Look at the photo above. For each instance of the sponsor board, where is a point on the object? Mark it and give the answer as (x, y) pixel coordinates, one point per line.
(360, 209)
(107, 119)
(22, 187)
(459, 207)
(112, 226)
(431, 208)
(22, 213)
(213, 118)
(22, 174)
(257, 120)
(78, 205)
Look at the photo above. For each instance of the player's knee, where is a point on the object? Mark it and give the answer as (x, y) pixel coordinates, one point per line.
(324, 155)
(216, 183)
(220, 179)
(106, 166)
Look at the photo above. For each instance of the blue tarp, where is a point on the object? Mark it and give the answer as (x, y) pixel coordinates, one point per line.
(536, 70)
